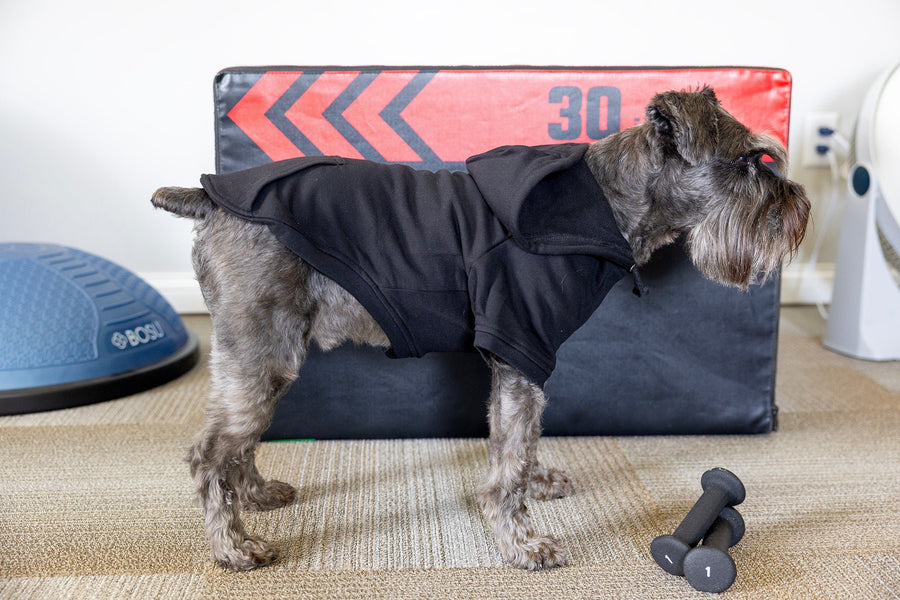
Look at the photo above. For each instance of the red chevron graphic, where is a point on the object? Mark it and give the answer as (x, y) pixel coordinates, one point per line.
(363, 115)
(496, 108)
(249, 114)
(306, 114)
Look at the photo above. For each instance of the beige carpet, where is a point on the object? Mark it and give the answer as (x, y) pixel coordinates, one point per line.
(96, 503)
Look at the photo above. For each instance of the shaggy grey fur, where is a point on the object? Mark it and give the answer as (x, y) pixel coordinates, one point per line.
(690, 170)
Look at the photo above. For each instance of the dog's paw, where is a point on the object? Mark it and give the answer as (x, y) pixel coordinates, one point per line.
(535, 553)
(252, 553)
(274, 494)
(547, 484)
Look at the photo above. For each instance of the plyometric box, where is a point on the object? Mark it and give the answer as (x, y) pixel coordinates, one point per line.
(691, 357)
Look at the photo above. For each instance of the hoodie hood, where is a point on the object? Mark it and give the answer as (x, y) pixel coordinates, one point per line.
(549, 201)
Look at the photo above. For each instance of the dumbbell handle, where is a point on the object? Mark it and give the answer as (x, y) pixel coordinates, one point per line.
(701, 516)
(720, 535)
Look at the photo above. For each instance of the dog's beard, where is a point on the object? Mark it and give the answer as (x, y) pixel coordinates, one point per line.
(741, 243)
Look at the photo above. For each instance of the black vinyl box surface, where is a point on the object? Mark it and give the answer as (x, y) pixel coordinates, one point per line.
(690, 357)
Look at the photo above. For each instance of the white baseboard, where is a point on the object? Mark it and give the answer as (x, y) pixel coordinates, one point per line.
(180, 289)
(799, 285)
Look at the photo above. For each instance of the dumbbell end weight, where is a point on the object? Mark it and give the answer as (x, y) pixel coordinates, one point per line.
(669, 552)
(709, 570)
(726, 483)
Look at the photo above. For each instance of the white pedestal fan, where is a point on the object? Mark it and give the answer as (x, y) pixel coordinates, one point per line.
(864, 319)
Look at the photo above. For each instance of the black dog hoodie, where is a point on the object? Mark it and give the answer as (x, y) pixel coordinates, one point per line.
(509, 258)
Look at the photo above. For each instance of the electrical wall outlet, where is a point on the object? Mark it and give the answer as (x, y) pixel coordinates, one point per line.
(812, 139)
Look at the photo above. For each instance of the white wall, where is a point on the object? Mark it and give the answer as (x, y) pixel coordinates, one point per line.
(102, 101)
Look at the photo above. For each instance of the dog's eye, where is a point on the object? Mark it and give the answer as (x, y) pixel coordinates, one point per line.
(742, 161)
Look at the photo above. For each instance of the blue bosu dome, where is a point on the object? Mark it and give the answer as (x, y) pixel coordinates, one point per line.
(77, 329)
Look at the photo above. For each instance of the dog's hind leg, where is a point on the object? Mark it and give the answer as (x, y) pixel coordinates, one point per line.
(516, 405)
(256, 293)
(223, 464)
(250, 375)
(259, 494)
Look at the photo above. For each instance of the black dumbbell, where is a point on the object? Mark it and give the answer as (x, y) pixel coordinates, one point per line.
(709, 568)
(721, 488)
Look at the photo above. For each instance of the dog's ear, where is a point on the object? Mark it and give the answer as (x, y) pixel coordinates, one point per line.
(687, 122)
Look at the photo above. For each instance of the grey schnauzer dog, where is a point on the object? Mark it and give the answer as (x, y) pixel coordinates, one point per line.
(276, 276)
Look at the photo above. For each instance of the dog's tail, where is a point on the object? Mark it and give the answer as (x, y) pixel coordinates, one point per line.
(184, 202)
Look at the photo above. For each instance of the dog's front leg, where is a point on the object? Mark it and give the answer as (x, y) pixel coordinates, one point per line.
(516, 405)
